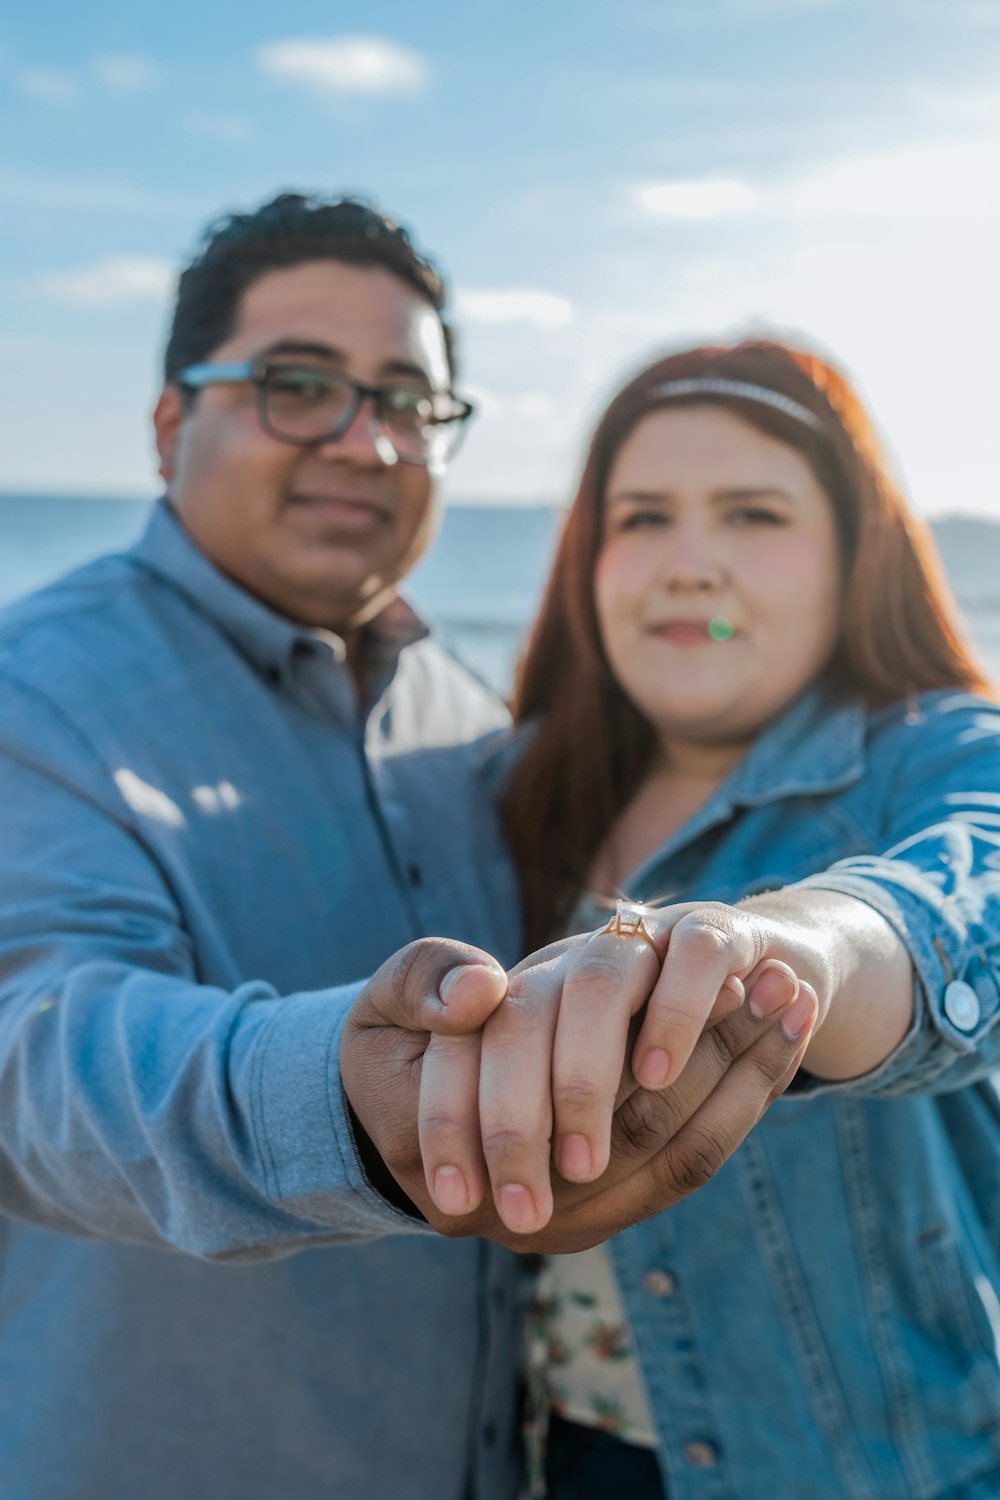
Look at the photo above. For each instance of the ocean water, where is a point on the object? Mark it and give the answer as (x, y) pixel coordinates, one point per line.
(480, 585)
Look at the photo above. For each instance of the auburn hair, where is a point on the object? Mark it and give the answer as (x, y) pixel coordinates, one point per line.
(591, 748)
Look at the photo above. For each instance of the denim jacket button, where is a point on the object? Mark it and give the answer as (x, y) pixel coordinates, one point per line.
(961, 1005)
(659, 1283)
(702, 1455)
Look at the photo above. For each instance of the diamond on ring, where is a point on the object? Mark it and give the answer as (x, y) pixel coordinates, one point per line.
(628, 921)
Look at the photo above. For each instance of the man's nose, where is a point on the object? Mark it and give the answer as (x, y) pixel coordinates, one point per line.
(364, 443)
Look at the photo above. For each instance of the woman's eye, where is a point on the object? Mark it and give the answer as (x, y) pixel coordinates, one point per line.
(638, 520)
(756, 515)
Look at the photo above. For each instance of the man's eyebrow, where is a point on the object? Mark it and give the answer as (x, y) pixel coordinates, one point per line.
(304, 346)
(332, 355)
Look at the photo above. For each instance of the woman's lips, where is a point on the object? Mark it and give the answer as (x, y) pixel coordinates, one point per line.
(683, 632)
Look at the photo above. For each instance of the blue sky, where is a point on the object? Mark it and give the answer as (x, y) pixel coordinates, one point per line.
(599, 182)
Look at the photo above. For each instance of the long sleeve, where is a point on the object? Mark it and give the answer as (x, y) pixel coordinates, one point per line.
(136, 1103)
(937, 884)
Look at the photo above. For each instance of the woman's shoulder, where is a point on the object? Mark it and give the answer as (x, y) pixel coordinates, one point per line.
(943, 717)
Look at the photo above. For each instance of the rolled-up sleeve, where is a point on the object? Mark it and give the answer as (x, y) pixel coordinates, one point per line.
(136, 1103)
(938, 886)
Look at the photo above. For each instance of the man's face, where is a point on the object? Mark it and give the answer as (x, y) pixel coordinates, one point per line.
(322, 534)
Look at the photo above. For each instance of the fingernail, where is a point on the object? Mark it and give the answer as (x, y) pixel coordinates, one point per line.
(517, 1208)
(801, 1015)
(446, 988)
(654, 1070)
(576, 1160)
(773, 990)
(451, 1193)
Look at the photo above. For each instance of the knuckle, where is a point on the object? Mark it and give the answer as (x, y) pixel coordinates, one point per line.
(594, 971)
(693, 1160)
(577, 1094)
(646, 1122)
(707, 935)
(439, 1122)
(509, 1141)
(727, 1040)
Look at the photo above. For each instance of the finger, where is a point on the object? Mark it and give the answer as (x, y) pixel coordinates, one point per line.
(743, 1095)
(434, 985)
(606, 983)
(730, 997)
(649, 1119)
(515, 1097)
(448, 1123)
(706, 946)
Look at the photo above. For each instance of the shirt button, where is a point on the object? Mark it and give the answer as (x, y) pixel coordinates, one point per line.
(702, 1455)
(659, 1283)
(961, 1005)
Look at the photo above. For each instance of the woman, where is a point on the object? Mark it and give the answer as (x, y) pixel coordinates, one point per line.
(748, 685)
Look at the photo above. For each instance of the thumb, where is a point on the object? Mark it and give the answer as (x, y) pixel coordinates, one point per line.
(436, 985)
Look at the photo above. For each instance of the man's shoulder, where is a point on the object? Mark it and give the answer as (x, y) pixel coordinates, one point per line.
(78, 629)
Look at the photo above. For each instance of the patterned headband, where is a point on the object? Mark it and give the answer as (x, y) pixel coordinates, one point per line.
(708, 385)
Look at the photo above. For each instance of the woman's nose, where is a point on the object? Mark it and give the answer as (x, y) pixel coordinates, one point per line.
(692, 562)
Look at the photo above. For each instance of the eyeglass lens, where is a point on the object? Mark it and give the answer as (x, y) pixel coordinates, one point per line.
(306, 403)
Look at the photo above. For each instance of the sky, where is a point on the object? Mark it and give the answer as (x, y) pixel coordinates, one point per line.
(599, 183)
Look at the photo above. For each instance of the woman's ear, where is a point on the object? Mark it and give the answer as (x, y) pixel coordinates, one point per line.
(167, 419)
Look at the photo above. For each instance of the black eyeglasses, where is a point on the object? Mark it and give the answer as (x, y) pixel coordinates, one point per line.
(304, 403)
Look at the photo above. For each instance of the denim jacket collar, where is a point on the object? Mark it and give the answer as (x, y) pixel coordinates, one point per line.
(267, 638)
(816, 746)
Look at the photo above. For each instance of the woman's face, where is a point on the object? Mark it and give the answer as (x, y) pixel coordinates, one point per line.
(709, 521)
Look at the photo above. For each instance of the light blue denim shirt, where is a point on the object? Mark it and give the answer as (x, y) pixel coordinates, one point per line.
(200, 1294)
(821, 1320)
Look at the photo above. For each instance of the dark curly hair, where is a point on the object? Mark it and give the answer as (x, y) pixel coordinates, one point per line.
(289, 230)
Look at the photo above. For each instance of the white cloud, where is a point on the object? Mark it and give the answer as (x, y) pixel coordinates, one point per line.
(114, 280)
(345, 65)
(696, 198)
(48, 85)
(514, 305)
(125, 73)
(232, 130)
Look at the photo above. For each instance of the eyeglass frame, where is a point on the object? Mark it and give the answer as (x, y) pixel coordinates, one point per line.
(254, 372)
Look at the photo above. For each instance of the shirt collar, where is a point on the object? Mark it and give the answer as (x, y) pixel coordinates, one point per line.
(267, 638)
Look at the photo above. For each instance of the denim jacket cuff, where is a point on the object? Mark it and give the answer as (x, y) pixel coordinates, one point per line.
(956, 996)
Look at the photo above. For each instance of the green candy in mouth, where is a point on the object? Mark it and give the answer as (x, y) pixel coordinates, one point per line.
(720, 629)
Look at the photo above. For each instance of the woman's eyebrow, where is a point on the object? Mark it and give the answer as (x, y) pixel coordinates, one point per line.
(640, 497)
(745, 492)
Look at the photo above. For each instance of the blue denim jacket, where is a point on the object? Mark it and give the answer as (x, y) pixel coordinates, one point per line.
(828, 1319)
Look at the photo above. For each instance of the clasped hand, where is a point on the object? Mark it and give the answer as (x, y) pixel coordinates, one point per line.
(599, 1082)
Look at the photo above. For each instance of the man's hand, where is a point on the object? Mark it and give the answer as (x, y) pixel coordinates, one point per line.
(456, 1082)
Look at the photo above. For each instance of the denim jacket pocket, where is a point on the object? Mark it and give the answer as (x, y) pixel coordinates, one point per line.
(962, 1307)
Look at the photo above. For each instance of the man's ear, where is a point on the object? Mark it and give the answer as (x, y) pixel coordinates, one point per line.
(167, 419)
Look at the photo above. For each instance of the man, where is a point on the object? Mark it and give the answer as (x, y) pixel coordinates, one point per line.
(233, 774)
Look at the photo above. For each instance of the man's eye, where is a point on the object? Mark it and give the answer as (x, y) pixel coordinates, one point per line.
(299, 385)
(408, 402)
